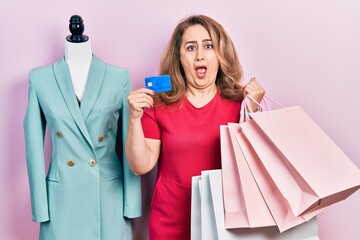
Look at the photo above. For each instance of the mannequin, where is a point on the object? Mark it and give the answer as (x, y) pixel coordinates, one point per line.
(78, 55)
(88, 191)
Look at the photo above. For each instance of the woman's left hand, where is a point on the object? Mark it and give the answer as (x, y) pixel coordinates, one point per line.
(256, 91)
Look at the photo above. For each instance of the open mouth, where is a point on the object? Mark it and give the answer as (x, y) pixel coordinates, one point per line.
(200, 71)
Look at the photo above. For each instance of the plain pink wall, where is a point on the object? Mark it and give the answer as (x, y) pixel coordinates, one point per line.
(303, 52)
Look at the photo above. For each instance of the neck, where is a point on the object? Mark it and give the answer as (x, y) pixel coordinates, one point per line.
(75, 52)
(203, 93)
(200, 98)
(78, 57)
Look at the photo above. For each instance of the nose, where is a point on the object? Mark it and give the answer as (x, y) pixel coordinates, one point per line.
(199, 55)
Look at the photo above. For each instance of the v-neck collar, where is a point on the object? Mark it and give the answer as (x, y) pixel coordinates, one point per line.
(93, 85)
(95, 79)
(208, 104)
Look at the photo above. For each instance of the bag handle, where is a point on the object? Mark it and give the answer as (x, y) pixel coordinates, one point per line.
(265, 98)
(245, 108)
(264, 106)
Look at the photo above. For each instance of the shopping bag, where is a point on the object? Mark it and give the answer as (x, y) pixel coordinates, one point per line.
(308, 169)
(211, 180)
(195, 209)
(277, 204)
(208, 220)
(244, 205)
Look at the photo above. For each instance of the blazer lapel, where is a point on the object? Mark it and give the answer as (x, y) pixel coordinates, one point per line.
(95, 79)
(63, 79)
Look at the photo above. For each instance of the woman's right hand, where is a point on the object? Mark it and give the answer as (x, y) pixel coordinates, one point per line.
(138, 100)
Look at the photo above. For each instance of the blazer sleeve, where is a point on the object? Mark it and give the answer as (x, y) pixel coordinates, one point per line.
(34, 129)
(132, 183)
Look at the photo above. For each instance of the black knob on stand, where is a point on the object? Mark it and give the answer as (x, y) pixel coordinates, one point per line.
(76, 28)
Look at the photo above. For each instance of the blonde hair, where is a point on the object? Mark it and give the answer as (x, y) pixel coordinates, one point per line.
(229, 74)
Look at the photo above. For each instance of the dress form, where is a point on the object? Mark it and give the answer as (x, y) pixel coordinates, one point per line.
(78, 55)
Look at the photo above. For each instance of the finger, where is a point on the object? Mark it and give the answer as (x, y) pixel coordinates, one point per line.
(256, 91)
(139, 107)
(252, 83)
(244, 83)
(254, 88)
(140, 101)
(140, 97)
(142, 90)
(140, 104)
(256, 85)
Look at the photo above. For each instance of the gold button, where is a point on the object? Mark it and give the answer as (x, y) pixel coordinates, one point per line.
(59, 134)
(92, 163)
(70, 163)
(101, 138)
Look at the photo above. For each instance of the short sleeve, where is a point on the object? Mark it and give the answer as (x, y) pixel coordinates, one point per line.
(150, 124)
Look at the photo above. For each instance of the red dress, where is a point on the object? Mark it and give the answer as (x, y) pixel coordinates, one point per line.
(190, 143)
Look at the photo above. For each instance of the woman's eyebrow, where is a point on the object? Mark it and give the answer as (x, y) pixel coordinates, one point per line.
(193, 41)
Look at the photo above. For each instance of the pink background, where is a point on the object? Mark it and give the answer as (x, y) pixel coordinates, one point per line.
(303, 52)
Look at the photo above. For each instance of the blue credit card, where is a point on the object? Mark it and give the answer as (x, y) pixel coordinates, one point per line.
(160, 83)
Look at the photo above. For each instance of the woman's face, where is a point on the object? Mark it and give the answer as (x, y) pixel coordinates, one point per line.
(198, 58)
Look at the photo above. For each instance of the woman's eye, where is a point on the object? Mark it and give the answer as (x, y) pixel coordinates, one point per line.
(191, 48)
(208, 46)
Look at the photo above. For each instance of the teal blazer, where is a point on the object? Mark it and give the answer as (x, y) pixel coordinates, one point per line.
(89, 190)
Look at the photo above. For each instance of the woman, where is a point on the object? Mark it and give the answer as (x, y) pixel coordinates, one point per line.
(179, 129)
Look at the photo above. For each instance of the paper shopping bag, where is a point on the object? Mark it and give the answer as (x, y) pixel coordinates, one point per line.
(244, 206)
(208, 221)
(212, 180)
(309, 170)
(277, 204)
(195, 209)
